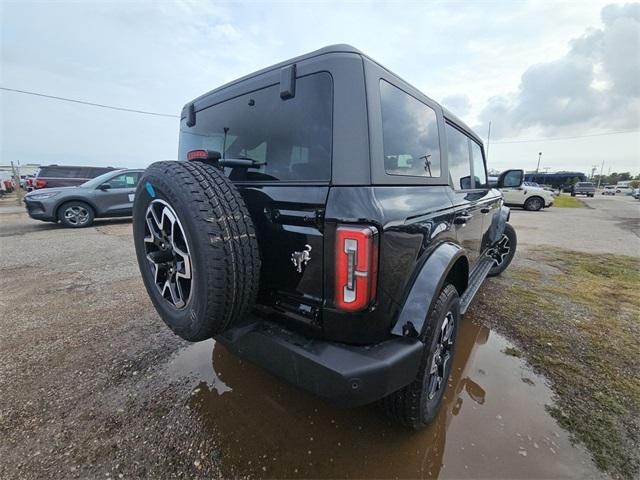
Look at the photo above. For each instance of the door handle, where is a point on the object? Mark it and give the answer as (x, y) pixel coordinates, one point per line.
(462, 219)
(485, 210)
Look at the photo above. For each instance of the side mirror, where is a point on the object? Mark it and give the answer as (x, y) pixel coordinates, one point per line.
(510, 179)
(104, 187)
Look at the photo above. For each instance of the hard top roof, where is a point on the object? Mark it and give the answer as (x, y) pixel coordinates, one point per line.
(337, 48)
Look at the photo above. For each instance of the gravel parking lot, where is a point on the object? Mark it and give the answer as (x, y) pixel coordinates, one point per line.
(92, 383)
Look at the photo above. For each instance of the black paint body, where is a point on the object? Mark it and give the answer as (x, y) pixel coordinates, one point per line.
(422, 241)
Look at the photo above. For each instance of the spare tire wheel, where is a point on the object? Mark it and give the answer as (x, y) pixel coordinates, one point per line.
(196, 247)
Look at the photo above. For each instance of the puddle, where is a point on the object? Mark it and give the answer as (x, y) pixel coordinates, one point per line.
(493, 422)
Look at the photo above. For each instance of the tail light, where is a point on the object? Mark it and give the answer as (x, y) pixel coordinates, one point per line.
(197, 155)
(356, 267)
(41, 183)
(205, 155)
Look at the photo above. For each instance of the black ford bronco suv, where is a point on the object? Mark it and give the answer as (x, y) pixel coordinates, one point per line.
(329, 222)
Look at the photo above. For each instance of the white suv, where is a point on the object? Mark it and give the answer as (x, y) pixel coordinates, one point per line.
(529, 198)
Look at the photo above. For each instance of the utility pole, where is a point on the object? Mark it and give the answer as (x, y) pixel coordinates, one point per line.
(538, 166)
(601, 170)
(488, 140)
(16, 176)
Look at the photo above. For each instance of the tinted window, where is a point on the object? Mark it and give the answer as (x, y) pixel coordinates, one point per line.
(126, 180)
(292, 136)
(479, 173)
(409, 134)
(61, 172)
(585, 184)
(92, 172)
(459, 166)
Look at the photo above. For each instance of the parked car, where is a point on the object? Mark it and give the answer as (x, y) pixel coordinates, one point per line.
(623, 189)
(529, 198)
(109, 195)
(636, 193)
(351, 210)
(609, 190)
(66, 175)
(583, 188)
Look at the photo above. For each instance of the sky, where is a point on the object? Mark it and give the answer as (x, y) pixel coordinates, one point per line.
(535, 70)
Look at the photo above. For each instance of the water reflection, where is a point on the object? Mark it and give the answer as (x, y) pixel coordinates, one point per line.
(271, 427)
(492, 424)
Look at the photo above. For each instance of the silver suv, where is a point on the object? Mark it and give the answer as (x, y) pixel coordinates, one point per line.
(109, 195)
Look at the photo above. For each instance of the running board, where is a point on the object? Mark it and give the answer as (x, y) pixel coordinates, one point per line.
(475, 281)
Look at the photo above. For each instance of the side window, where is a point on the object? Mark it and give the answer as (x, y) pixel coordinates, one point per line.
(409, 134)
(126, 180)
(479, 172)
(459, 166)
(61, 172)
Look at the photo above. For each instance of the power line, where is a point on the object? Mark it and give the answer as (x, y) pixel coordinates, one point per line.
(551, 139)
(72, 100)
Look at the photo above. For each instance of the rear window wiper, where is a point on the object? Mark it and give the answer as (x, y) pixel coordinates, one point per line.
(240, 162)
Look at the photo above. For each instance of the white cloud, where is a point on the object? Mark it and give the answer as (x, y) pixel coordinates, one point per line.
(595, 86)
(158, 55)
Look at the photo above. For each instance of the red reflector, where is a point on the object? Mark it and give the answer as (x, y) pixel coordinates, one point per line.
(356, 267)
(41, 183)
(197, 155)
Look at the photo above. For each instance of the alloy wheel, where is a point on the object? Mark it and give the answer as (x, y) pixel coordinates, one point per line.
(501, 250)
(168, 254)
(441, 356)
(76, 215)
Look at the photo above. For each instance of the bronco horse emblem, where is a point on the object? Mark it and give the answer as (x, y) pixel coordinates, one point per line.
(301, 258)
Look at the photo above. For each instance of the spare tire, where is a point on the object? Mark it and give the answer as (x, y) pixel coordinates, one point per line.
(196, 247)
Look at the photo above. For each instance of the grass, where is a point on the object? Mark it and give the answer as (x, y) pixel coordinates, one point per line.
(578, 323)
(567, 201)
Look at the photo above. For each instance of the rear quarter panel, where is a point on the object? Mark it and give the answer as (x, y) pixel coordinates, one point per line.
(412, 221)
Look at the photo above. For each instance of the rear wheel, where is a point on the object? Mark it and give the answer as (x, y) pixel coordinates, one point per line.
(417, 404)
(534, 204)
(76, 214)
(196, 248)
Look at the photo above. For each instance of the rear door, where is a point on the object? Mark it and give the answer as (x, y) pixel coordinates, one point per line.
(468, 203)
(117, 200)
(489, 202)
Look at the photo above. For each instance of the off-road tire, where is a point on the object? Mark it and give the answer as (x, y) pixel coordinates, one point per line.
(533, 204)
(90, 214)
(510, 233)
(410, 405)
(222, 244)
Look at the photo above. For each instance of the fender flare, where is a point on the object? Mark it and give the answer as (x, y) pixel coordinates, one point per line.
(424, 291)
(498, 222)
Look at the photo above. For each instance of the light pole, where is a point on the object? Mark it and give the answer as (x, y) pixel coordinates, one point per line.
(538, 166)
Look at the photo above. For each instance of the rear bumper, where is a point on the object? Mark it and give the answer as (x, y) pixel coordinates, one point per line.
(345, 375)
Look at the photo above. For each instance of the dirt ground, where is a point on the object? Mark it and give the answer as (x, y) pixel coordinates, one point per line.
(92, 384)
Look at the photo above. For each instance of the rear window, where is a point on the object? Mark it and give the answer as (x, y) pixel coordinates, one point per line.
(292, 136)
(409, 134)
(585, 184)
